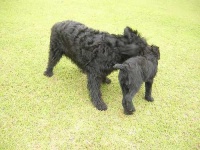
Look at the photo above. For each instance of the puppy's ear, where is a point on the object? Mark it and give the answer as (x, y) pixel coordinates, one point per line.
(155, 50)
(128, 33)
(119, 66)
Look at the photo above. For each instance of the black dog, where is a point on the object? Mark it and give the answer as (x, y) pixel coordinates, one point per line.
(135, 71)
(92, 51)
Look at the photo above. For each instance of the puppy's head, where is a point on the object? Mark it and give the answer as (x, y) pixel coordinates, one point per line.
(152, 51)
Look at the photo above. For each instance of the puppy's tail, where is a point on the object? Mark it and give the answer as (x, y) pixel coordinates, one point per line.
(118, 66)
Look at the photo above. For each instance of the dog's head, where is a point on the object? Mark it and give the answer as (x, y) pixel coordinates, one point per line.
(130, 34)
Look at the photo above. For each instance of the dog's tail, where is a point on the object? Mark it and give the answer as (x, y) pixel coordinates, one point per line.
(118, 66)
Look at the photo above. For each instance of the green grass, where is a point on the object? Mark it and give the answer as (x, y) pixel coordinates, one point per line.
(56, 113)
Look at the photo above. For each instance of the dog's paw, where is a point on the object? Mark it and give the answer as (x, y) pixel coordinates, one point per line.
(149, 98)
(48, 73)
(107, 81)
(100, 105)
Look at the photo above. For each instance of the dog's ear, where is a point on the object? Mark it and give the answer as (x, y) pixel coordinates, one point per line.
(132, 35)
(128, 33)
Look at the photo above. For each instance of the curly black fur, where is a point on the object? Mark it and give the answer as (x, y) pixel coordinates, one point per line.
(135, 71)
(92, 51)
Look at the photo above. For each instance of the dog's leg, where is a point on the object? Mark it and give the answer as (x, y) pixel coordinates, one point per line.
(95, 93)
(55, 54)
(148, 90)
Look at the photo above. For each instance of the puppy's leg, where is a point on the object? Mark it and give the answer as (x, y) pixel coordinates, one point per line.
(95, 93)
(148, 90)
(127, 103)
(124, 93)
(127, 99)
(55, 54)
(130, 87)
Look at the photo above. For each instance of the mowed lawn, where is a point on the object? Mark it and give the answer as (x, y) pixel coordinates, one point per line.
(38, 113)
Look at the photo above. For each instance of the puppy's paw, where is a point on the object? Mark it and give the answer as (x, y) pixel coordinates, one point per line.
(128, 108)
(129, 112)
(149, 98)
(48, 73)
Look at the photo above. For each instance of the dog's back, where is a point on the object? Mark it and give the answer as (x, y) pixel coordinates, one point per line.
(75, 33)
(83, 45)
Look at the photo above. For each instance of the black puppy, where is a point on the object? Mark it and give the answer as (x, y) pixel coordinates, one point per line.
(135, 71)
(94, 52)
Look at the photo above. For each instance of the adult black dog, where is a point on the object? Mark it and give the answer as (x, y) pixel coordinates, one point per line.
(135, 71)
(92, 51)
